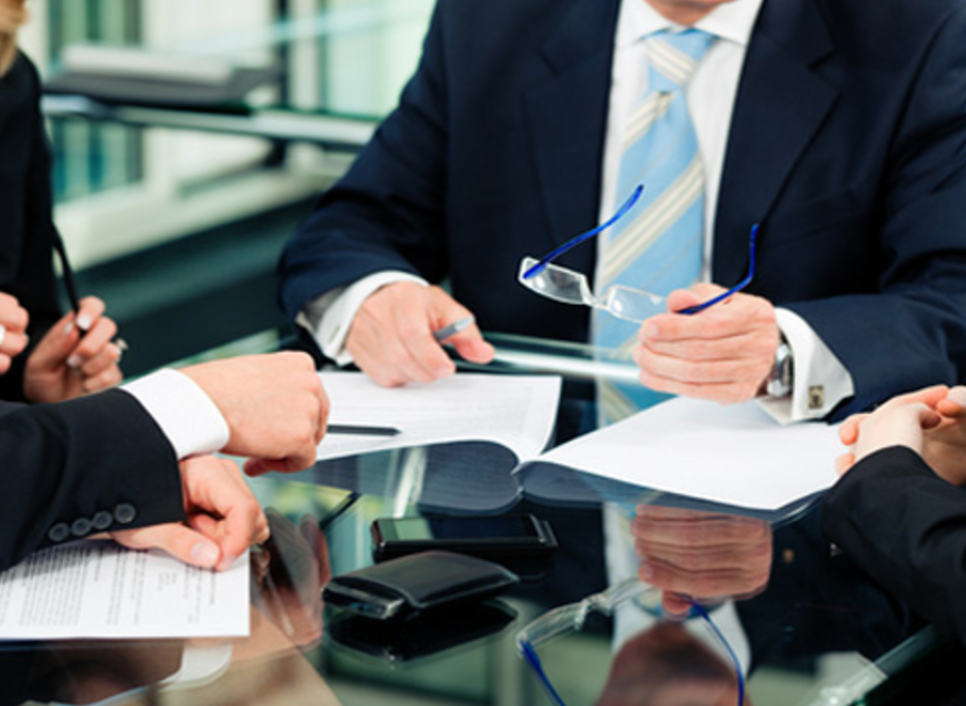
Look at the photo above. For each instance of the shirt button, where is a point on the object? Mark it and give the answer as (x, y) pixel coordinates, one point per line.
(102, 520)
(59, 532)
(81, 527)
(125, 513)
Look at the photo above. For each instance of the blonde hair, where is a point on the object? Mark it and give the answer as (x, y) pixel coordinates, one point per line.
(12, 15)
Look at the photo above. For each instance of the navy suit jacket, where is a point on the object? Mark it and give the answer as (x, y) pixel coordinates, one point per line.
(906, 527)
(67, 462)
(847, 145)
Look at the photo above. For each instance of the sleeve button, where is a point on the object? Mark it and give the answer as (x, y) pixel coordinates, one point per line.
(102, 520)
(125, 513)
(59, 532)
(81, 527)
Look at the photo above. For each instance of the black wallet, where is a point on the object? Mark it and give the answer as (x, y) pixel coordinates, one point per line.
(415, 583)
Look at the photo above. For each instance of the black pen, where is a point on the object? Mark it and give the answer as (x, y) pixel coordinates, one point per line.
(360, 430)
(67, 272)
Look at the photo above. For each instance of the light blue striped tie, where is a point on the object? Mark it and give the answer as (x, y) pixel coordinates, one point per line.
(658, 247)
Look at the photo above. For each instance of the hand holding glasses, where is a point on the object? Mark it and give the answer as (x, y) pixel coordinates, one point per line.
(569, 287)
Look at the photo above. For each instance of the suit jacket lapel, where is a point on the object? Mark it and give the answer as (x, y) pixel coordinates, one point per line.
(781, 103)
(567, 119)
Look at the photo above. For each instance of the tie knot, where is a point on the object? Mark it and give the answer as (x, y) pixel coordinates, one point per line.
(674, 56)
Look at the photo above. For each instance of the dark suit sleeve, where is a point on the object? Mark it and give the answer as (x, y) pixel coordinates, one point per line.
(75, 468)
(387, 212)
(906, 527)
(909, 331)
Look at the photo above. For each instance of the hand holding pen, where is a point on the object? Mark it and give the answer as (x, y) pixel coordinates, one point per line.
(397, 335)
(78, 355)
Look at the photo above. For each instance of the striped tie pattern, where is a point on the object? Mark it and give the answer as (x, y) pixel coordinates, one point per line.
(658, 246)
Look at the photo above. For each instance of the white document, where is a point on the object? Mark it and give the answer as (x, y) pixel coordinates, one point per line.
(516, 411)
(98, 589)
(736, 455)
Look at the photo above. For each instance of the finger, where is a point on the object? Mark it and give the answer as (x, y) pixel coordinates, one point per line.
(954, 404)
(97, 337)
(90, 311)
(243, 526)
(215, 529)
(104, 380)
(386, 358)
(422, 352)
(13, 343)
(682, 299)
(743, 388)
(420, 357)
(711, 532)
(260, 466)
(107, 357)
(849, 431)
(181, 542)
(215, 487)
(13, 317)
(844, 462)
(697, 372)
(744, 312)
(928, 417)
(675, 605)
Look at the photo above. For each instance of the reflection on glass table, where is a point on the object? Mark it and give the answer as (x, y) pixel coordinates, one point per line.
(808, 625)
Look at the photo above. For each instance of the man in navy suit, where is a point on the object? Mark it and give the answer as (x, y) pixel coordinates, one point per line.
(839, 126)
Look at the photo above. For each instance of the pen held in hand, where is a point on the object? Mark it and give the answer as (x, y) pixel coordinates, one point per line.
(452, 329)
(361, 430)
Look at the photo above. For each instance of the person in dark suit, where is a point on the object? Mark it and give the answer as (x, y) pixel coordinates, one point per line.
(44, 356)
(135, 461)
(899, 511)
(837, 126)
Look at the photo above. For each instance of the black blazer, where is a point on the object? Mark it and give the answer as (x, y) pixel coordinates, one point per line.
(847, 145)
(75, 468)
(26, 228)
(906, 527)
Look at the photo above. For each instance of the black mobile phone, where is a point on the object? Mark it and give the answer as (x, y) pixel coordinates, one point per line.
(520, 542)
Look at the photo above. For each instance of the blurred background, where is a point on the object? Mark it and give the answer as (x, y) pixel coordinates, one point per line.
(174, 197)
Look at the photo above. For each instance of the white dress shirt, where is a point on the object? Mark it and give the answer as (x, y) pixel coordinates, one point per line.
(189, 419)
(710, 95)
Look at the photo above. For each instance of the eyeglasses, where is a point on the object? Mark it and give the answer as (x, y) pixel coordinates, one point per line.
(571, 618)
(569, 287)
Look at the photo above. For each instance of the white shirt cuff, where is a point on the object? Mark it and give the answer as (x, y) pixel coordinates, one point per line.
(820, 379)
(189, 419)
(330, 316)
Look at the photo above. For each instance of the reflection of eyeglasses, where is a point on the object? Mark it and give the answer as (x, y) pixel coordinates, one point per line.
(565, 285)
(571, 618)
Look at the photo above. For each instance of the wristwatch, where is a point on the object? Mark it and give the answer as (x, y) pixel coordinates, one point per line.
(782, 373)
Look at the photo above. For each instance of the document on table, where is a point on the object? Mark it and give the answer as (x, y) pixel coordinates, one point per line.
(98, 589)
(736, 455)
(516, 411)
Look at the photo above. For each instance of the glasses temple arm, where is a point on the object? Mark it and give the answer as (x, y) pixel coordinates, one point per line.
(573, 242)
(752, 247)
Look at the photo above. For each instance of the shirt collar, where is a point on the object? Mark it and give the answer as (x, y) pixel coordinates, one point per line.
(732, 21)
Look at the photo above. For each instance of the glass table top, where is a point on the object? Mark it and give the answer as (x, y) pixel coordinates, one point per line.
(806, 626)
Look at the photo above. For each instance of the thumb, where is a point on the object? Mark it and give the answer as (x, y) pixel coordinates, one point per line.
(471, 346)
(682, 299)
(181, 542)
